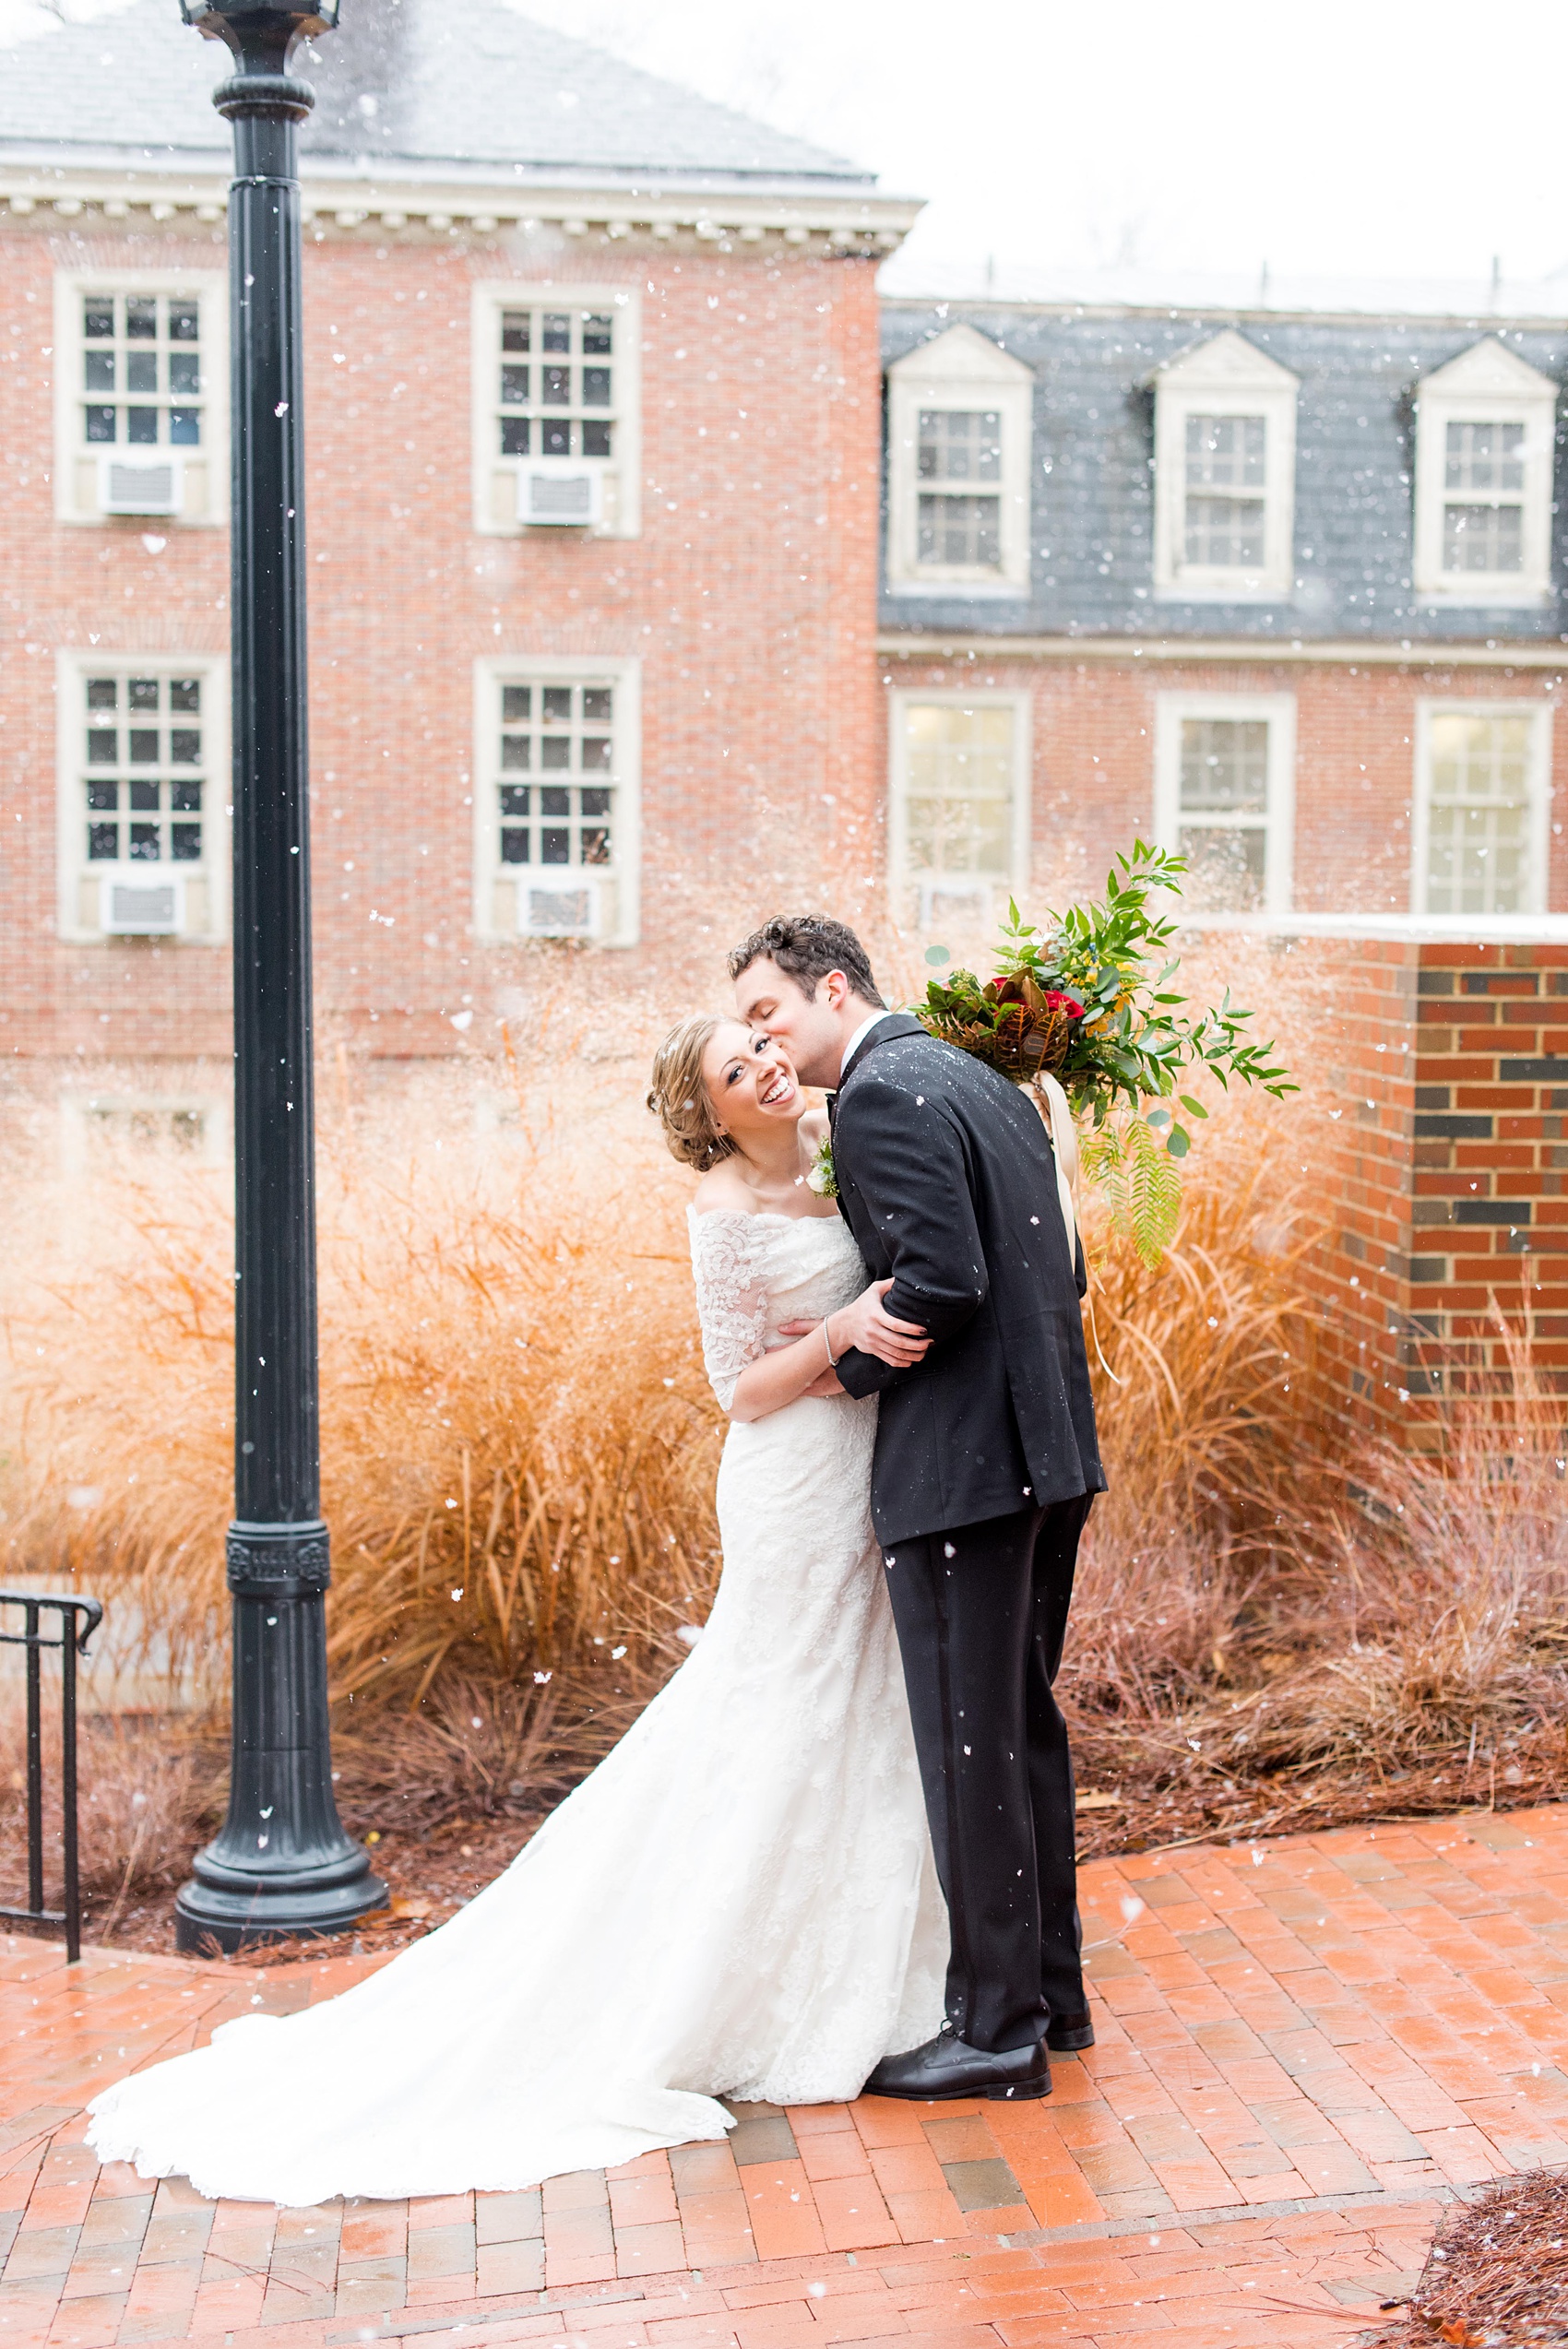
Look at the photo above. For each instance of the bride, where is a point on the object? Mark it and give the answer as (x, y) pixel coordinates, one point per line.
(740, 1899)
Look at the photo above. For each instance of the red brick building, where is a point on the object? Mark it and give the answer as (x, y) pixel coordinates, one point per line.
(593, 442)
(660, 575)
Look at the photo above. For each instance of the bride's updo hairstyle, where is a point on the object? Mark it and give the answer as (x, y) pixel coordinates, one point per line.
(680, 1095)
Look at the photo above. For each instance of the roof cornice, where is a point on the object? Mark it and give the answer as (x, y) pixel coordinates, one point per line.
(350, 195)
(1216, 316)
(932, 645)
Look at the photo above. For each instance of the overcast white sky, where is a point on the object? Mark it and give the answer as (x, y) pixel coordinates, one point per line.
(1359, 138)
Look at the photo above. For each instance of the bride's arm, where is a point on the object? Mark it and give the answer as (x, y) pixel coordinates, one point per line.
(790, 1371)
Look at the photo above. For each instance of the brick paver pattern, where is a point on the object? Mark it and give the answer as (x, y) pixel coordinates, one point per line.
(1304, 2048)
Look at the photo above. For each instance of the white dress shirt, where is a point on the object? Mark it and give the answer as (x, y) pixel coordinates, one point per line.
(859, 1037)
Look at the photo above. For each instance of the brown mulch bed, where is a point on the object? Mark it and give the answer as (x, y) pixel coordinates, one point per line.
(444, 1821)
(1497, 2274)
(1128, 1816)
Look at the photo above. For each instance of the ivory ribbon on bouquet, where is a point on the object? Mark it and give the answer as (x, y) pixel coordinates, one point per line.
(1058, 1116)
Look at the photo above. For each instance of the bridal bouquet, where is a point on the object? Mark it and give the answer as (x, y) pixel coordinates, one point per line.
(1087, 1001)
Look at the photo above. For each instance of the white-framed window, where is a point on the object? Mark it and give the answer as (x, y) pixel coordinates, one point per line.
(142, 756)
(557, 425)
(557, 799)
(1485, 431)
(959, 802)
(1224, 798)
(960, 415)
(1225, 474)
(197, 1127)
(141, 401)
(1480, 838)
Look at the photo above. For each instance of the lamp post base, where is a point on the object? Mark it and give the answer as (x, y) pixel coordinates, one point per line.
(220, 1908)
(281, 1864)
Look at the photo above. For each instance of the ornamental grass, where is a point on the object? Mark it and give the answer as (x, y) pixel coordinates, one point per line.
(520, 1449)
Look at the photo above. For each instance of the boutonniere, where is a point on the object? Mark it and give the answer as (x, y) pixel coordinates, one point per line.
(820, 1176)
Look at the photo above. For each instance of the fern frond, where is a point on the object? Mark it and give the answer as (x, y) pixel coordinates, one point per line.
(1138, 1179)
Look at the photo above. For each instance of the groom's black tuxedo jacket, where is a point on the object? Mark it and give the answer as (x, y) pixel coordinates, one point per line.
(946, 1180)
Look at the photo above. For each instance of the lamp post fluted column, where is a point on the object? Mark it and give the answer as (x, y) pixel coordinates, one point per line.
(281, 1863)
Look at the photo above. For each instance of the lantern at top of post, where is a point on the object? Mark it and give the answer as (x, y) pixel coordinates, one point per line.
(232, 20)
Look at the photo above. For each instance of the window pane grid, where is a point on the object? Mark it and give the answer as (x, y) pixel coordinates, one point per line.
(1222, 790)
(1483, 537)
(555, 789)
(556, 383)
(142, 758)
(960, 783)
(959, 529)
(1478, 815)
(1483, 526)
(1224, 453)
(141, 371)
(1481, 458)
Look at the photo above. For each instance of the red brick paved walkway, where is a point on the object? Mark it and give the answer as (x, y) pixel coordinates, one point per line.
(1304, 2048)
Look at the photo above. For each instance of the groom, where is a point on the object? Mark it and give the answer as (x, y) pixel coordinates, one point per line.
(986, 1463)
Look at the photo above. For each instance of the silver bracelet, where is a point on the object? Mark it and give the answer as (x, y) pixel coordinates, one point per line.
(828, 1343)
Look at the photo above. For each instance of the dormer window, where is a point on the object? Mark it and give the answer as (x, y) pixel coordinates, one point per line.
(1225, 465)
(959, 416)
(1485, 426)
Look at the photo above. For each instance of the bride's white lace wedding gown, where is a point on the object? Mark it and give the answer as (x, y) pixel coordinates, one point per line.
(740, 1901)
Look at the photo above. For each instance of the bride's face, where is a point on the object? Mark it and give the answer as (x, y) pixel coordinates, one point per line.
(751, 1082)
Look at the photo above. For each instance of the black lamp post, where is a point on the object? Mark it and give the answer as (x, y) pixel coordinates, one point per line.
(281, 1863)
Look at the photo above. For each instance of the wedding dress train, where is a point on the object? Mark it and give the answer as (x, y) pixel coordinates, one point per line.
(739, 1900)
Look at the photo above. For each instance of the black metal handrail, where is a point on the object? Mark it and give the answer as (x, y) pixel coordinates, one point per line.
(71, 1643)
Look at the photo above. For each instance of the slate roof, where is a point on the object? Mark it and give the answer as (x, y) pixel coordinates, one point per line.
(1092, 485)
(417, 82)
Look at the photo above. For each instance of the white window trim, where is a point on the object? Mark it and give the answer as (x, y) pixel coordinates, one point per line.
(78, 1108)
(1538, 852)
(1279, 823)
(1486, 385)
(71, 863)
(210, 287)
(902, 880)
(959, 370)
(491, 673)
(1224, 377)
(623, 472)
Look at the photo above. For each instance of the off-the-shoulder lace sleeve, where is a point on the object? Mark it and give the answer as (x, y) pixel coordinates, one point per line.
(732, 1296)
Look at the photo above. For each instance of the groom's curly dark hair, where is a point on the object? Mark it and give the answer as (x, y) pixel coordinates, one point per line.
(805, 947)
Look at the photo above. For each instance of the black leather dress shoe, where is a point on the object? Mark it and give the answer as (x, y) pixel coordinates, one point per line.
(946, 2066)
(1069, 2034)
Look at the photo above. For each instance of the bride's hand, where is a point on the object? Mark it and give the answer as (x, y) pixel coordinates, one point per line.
(867, 1326)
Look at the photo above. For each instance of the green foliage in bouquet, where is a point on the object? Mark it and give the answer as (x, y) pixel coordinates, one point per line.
(1087, 1001)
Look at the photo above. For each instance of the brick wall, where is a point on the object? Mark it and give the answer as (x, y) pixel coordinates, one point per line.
(1094, 732)
(750, 599)
(1444, 1169)
(1491, 1156)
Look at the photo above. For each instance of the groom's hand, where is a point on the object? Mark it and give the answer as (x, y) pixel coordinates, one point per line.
(868, 1328)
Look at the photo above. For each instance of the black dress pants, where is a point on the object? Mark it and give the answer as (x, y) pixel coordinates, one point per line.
(981, 1612)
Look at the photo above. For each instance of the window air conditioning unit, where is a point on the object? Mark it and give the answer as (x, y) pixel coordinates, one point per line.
(133, 904)
(557, 911)
(559, 493)
(140, 484)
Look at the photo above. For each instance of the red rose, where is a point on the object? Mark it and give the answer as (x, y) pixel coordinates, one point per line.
(1056, 1001)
